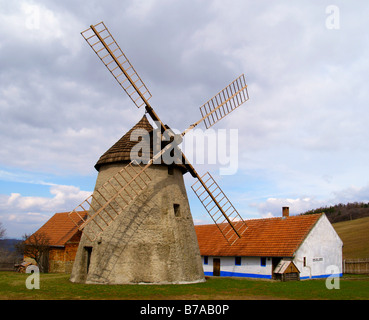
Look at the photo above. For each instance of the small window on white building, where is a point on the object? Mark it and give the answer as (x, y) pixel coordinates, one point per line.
(237, 261)
(263, 261)
(206, 259)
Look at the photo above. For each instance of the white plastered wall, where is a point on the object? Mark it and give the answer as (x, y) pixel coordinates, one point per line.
(250, 267)
(321, 249)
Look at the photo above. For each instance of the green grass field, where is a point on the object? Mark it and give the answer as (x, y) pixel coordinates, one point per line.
(58, 287)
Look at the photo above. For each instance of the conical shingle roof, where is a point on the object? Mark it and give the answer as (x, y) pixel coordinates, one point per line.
(121, 150)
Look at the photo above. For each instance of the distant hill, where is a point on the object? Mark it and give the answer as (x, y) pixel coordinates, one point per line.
(343, 212)
(9, 244)
(351, 222)
(355, 237)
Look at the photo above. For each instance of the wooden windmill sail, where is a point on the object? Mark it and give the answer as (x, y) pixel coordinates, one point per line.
(120, 191)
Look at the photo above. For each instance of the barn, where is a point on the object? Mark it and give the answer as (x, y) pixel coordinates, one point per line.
(63, 238)
(285, 248)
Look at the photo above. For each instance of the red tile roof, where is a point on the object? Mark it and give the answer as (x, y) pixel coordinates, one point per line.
(272, 237)
(59, 229)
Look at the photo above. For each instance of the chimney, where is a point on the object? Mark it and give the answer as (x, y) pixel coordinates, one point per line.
(285, 212)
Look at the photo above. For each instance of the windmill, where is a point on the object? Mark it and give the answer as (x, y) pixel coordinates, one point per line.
(120, 203)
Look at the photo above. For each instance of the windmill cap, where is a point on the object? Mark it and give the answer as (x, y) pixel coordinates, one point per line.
(121, 150)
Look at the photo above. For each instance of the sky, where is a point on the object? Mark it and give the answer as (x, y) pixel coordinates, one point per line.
(299, 141)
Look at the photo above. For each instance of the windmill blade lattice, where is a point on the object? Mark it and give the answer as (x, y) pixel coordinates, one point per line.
(220, 209)
(230, 98)
(108, 201)
(104, 45)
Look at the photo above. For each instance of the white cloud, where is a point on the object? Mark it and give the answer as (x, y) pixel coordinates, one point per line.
(272, 207)
(25, 214)
(352, 194)
(63, 196)
(303, 131)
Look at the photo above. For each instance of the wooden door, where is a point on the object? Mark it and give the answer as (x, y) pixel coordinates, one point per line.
(216, 267)
(275, 262)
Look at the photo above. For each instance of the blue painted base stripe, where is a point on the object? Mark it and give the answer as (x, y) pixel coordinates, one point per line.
(323, 276)
(238, 274)
(264, 276)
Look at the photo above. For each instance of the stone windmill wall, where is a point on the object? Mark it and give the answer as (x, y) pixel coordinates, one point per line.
(153, 240)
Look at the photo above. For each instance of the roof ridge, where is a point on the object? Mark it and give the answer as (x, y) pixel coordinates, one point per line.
(270, 218)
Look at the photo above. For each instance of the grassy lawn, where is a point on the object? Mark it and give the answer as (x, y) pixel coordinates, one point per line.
(58, 287)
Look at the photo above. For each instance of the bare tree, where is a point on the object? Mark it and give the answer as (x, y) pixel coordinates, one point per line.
(7, 256)
(36, 247)
(2, 235)
(2, 231)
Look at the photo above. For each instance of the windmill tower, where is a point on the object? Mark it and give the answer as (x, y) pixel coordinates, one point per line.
(137, 226)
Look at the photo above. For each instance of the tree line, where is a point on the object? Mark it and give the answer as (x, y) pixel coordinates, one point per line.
(343, 212)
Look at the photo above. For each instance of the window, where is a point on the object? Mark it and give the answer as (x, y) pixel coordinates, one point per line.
(304, 263)
(206, 259)
(237, 261)
(88, 251)
(170, 170)
(263, 261)
(177, 212)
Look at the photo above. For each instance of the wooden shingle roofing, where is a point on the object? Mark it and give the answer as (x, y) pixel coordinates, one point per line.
(272, 237)
(121, 150)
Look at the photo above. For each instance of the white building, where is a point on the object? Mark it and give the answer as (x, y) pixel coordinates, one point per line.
(269, 245)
